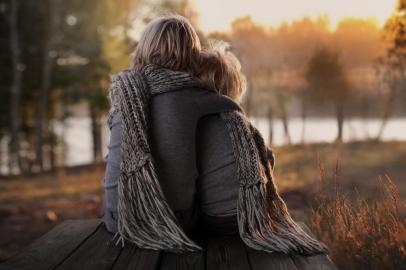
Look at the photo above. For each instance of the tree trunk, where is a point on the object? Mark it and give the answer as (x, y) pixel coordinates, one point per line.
(285, 123)
(17, 66)
(52, 150)
(96, 135)
(62, 146)
(248, 98)
(2, 154)
(304, 116)
(340, 120)
(270, 124)
(365, 109)
(389, 106)
(41, 120)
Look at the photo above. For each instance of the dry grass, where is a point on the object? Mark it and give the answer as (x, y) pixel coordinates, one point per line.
(31, 206)
(361, 234)
(297, 168)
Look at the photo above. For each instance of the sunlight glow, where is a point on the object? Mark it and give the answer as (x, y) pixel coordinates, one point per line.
(218, 14)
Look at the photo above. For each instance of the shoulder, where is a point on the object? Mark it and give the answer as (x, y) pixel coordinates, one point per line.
(186, 100)
(200, 100)
(179, 101)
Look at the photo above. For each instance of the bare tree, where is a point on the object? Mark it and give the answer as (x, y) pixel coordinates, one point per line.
(17, 68)
(392, 69)
(304, 102)
(326, 76)
(41, 122)
(387, 80)
(270, 124)
(250, 43)
(282, 97)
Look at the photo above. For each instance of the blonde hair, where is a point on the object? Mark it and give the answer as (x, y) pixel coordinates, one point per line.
(171, 42)
(220, 70)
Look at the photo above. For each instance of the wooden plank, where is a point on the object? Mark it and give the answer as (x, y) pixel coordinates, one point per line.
(226, 252)
(260, 260)
(133, 258)
(191, 260)
(315, 262)
(47, 251)
(97, 252)
(185, 261)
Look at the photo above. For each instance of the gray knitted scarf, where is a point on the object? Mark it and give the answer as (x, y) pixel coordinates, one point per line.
(144, 216)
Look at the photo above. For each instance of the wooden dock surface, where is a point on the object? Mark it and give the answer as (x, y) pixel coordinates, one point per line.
(86, 244)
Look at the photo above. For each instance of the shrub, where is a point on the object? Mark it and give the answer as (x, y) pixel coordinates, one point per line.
(361, 234)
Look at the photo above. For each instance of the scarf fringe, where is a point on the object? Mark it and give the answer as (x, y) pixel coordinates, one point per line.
(268, 226)
(263, 219)
(145, 218)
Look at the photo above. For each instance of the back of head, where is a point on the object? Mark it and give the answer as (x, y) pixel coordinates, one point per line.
(220, 70)
(171, 42)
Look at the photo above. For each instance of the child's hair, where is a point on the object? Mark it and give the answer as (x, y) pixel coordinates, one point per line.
(171, 42)
(220, 70)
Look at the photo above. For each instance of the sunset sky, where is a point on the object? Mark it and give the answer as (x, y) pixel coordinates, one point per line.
(218, 14)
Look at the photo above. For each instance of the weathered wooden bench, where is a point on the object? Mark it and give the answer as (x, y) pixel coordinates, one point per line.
(86, 244)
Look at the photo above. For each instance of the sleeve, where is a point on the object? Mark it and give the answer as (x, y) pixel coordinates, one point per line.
(173, 126)
(112, 173)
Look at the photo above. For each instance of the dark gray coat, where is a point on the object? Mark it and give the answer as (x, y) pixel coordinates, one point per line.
(193, 153)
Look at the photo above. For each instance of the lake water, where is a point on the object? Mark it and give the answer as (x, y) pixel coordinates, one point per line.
(78, 140)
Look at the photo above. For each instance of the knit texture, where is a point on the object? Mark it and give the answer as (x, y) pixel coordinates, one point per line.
(144, 216)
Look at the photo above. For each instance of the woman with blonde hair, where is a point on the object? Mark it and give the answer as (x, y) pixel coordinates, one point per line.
(183, 157)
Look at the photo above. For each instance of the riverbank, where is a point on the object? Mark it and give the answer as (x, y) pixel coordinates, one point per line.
(31, 206)
(360, 164)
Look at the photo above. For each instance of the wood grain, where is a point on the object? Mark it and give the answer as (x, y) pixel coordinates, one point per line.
(86, 244)
(226, 252)
(133, 258)
(97, 252)
(260, 260)
(52, 248)
(186, 261)
(315, 262)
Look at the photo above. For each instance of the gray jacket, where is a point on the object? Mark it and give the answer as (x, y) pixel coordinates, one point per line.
(200, 176)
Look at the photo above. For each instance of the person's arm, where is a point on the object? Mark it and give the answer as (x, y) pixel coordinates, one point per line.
(112, 174)
(173, 126)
